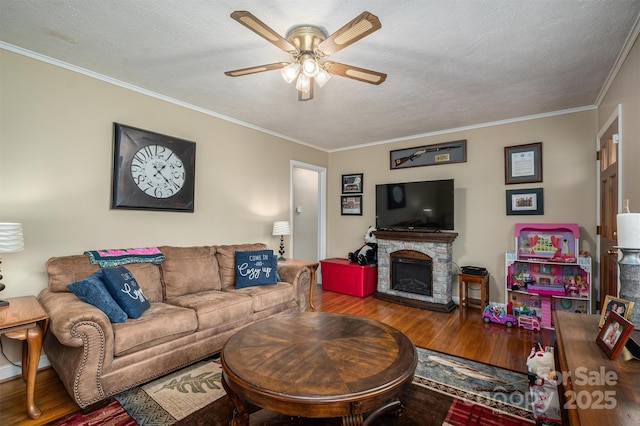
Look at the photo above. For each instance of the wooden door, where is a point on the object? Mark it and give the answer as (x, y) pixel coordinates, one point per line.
(608, 212)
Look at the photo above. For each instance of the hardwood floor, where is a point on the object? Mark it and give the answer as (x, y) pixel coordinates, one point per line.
(460, 333)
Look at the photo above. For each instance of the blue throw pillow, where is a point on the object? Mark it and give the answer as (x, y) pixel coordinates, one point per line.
(93, 291)
(125, 291)
(258, 267)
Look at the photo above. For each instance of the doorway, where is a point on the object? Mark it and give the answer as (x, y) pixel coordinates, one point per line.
(308, 218)
(609, 148)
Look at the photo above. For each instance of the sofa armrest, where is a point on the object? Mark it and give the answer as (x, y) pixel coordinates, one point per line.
(83, 345)
(300, 278)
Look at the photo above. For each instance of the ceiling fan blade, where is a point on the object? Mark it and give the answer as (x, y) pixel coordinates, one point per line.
(355, 73)
(358, 28)
(259, 68)
(306, 96)
(257, 26)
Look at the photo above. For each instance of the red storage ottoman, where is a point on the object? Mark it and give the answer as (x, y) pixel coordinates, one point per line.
(342, 276)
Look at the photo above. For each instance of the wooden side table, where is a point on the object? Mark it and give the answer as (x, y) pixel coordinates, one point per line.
(313, 267)
(25, 319)
(463, 285)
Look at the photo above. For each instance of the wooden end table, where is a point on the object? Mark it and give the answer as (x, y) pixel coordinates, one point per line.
(463, 290)
(313, 267)
(318, 365)
(25, 319)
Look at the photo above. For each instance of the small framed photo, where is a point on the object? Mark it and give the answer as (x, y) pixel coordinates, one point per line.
(523, 163)
(351, 205)
(614, 334)
(352, 184)
(525, 201)
(622, 307)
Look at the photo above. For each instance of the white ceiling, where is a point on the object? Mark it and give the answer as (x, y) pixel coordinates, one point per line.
(450, 63)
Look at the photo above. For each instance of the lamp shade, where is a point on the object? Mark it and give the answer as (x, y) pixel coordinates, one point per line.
(11, 239)
(281, 228)
(629, 230)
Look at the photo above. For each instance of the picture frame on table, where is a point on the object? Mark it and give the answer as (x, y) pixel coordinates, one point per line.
(525, 201)
(614, 334)
(351, 205)
(352, 183)
(622, 307)
(523, 163)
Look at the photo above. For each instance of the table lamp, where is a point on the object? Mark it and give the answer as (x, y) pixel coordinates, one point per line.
(281, 228)
(11, 241)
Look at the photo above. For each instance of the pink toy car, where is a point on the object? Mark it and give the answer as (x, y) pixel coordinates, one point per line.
(528, 322)
(494, 313)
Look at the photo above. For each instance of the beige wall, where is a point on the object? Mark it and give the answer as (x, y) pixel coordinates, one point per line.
(625, 91)
(485, 231)
(55, 171)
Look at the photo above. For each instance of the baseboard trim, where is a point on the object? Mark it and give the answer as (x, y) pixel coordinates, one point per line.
(10, 371)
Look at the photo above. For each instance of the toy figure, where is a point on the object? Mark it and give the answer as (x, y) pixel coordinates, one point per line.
(583, 288)
(368, 253)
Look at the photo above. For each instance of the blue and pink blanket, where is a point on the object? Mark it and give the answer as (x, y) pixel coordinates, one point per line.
(117, 257)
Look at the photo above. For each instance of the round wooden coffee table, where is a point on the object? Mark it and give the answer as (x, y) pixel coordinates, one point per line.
(318, 364)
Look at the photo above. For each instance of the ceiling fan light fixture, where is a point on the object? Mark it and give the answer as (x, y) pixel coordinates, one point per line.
(290, 72)
(304, 83)
(310, 66)
(322, 77)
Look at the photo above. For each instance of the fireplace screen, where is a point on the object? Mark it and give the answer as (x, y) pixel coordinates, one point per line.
(412, 275)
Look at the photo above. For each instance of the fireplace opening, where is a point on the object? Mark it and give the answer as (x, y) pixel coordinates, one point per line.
(411, 272)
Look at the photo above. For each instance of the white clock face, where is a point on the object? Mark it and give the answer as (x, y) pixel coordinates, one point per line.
(157, 171)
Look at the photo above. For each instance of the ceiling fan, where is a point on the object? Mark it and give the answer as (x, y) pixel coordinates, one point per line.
(309, 45)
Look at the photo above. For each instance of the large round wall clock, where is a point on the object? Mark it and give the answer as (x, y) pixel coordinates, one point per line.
(152, 171)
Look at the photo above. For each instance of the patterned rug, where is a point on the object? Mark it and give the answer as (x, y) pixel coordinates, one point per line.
(500, 390)
(446, 390)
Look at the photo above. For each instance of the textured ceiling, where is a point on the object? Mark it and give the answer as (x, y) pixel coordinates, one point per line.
(450, 63)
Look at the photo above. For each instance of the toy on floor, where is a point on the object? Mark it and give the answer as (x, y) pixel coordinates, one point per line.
(543, 385)
(498, 314)
(529, 322)
(368, 253)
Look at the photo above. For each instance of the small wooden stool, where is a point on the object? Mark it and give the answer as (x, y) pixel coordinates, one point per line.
(463, 283)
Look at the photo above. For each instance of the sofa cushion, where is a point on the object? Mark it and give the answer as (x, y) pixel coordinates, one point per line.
(226, 255)
(160, 323)
(65, 270)
(215, 308)
(189, 270)
(267, 296)
(125, 290)
(91, 289)
(256, 267)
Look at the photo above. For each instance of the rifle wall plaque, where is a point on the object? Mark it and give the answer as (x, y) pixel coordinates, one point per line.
(430, 155)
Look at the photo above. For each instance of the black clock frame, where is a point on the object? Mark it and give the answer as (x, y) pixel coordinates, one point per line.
(125, 194)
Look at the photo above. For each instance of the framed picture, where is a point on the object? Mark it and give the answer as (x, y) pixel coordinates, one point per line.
(429, 155)
(613, 304)
(352, 184)
(152, 171)
(523, 163)
(614, 334)
(351, 205)
(525, 201)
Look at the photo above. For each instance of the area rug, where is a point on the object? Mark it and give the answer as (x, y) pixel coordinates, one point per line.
(446, 390)
(467, 413)
(500, 390)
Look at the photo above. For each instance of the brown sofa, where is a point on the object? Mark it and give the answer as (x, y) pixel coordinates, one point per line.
(195, 308)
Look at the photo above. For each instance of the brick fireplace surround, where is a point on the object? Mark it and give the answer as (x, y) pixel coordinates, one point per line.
(437, 246)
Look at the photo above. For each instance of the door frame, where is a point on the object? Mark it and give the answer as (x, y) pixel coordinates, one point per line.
(615, 115)
(322, 200)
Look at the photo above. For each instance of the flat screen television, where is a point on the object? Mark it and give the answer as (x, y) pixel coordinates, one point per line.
(426, 205)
